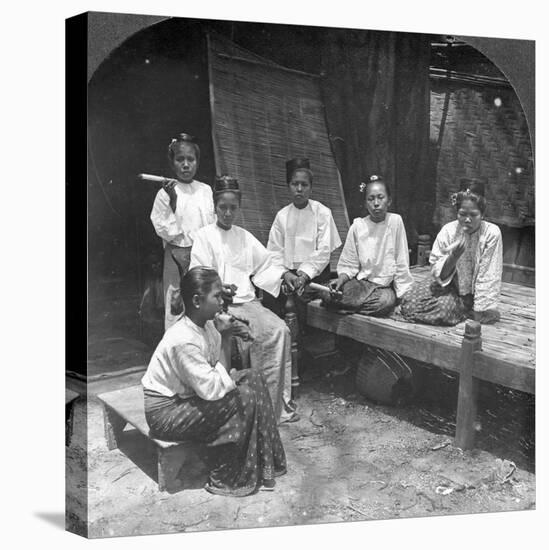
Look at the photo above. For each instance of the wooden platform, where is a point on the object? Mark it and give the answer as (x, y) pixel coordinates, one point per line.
(508, 347)
(503, 353)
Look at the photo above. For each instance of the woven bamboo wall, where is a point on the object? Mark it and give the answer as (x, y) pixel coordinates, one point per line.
(485, 135)
(263, 115)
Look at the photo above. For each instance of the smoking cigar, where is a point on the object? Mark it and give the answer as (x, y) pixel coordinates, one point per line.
(245, 321)
(322, 288)
(150, 177)
(451, 247)
(226, 310)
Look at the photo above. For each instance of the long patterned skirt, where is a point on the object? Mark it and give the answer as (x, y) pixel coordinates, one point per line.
(240, 432)
(429, 303)
(363, 297)
(269, 352)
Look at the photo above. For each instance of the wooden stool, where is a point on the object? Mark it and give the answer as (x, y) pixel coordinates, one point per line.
(126, 406)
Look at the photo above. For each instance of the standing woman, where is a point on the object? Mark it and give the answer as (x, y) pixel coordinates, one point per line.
(190, 395)
(466, 267)
(242, 261)
(182, 206)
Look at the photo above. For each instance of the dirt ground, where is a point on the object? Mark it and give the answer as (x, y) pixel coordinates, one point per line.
(348, 460)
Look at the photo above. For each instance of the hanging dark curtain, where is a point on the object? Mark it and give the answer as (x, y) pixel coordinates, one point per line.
(375, 89)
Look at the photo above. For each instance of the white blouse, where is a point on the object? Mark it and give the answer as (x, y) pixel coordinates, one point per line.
(194, 210)
(236, 255)
(304, 238)
(377, 252)
(186, 363)
(479, 268)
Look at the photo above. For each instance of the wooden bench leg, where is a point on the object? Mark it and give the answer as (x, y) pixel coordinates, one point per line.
(468, 387)
(170, 462)
(114, 426)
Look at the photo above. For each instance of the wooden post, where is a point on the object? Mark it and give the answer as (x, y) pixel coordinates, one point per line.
(170, 461)
(423, 249)
(468, 387)
(114, 426)
(290, 317)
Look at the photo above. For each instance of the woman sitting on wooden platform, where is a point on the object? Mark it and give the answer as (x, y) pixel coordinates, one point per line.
(373, 269)
(303, 234)
(302, 238)
(466, 267)
(190, 395)
(240, 259)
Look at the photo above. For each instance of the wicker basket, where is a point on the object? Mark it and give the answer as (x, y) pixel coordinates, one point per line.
(384, 377)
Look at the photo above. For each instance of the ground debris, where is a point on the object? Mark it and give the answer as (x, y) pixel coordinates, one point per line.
(313, 422)
(427, 497)
(441, 446)
(301, 436)
(357, 510)
(124, 473)
(502, 472)
(182, 527)
(384, 484)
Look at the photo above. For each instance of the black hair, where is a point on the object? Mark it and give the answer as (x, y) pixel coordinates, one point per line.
(198, 280)
(471, 189)
(295, 164)
(183, 138)
(308, 171)
(375, 179)
(225, 184)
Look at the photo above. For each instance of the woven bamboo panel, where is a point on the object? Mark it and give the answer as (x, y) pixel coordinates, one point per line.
(485, 135)
(263, 115)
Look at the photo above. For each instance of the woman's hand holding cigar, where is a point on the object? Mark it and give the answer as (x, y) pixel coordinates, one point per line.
(169, 187)
(327, 291)
(168, 184)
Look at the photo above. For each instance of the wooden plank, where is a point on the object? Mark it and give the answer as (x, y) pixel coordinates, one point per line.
(520, 377)
(128, 404)
(387, 336)
(507, 341)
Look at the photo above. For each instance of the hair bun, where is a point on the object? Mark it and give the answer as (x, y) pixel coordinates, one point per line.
(184, 137)
(472, 185)
(225, 183)
(295, 164)
(370, 179)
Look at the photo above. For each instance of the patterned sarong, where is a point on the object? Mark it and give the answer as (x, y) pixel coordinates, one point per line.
(240, 432)
(429, 303)
(363, 297)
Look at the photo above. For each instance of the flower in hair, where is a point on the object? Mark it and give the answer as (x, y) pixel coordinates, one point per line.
(374, 177)
(453, 199)
(362, 186)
